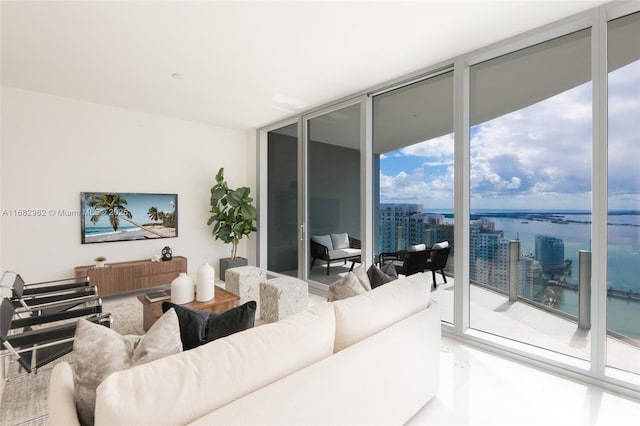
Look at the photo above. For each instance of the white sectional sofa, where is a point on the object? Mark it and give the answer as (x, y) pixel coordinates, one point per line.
(369, 359)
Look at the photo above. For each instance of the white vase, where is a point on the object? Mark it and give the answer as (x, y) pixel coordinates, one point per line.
(205, 283)
(182, 289)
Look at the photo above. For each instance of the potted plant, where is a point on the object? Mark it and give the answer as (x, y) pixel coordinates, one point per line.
(100, 261)
(232, 217)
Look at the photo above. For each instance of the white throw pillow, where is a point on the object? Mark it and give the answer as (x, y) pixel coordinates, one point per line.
(100, 351)
(345, 287)
(362, 276)
(340, 241)
(417, 247)
(325, 240)
(441, 245)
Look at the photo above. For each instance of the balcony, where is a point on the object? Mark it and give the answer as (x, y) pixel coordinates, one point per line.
(546, 328)
(492, 312)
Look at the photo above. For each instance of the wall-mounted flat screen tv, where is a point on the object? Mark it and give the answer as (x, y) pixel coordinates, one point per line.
(116, 216)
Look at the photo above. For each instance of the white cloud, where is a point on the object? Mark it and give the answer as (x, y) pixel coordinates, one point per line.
(537, 157)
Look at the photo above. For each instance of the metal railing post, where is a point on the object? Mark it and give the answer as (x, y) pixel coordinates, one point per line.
(584, 289)
(514, 273)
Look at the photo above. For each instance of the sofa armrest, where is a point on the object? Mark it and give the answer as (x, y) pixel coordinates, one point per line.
(62, 406)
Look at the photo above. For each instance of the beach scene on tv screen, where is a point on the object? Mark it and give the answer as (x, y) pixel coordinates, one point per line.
(124, 217)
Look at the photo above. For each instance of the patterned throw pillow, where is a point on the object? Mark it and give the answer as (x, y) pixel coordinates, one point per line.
(345, 287)
(100, 351)
(362, 276)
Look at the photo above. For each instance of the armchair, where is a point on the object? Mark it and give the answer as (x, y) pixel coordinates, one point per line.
(437, 261)
(335, 247)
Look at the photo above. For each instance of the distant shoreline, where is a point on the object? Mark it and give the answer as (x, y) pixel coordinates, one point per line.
(550, 216)
(131, 234)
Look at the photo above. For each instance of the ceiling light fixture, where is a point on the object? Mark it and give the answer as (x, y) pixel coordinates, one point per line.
(177, 76)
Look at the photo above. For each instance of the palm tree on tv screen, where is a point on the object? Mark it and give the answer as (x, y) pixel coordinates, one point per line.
(155, 214)
(114, 206)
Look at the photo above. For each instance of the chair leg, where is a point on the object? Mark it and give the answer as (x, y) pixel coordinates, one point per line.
(328, 265)
(313, 260)
(444, 277)
(433, 274)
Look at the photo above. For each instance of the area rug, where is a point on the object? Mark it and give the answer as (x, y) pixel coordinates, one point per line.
(24, 401)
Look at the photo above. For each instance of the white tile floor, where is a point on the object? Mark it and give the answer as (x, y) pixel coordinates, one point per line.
(477, 388)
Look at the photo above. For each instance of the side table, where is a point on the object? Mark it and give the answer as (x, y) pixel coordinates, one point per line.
(223, 301)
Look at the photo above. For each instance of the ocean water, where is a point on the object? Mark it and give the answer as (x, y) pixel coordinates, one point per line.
(91, 230)
(623, 246)
(623, 257)
(623, 260)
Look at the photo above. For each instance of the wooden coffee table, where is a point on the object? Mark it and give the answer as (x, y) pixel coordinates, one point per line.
(223, 301)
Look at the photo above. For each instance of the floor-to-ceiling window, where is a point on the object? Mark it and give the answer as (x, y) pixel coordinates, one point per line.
(623, 254)
(413, 172)
(530, 186)
(530, 252)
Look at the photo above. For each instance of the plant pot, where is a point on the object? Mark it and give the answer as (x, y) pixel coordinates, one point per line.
(228, 263)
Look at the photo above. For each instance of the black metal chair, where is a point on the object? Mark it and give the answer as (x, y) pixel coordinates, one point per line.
(437, 261)
(44, 338)
(50, 296)
(406, 262)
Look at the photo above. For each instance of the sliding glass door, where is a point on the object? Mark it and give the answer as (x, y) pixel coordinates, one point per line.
(333, 189)
(282, 196)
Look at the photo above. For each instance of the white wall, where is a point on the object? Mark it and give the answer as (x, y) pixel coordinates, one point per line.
(53, 148)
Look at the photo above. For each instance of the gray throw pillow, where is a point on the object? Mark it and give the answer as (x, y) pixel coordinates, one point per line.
(378, 276)
(100, 351)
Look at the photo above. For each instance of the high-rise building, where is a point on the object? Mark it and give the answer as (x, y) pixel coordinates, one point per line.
(550, 253)
(395, 229)
(531, 278)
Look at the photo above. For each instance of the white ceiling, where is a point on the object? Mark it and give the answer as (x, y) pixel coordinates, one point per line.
(244, 64)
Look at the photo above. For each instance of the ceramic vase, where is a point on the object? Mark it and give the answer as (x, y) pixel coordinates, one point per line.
(182, 289)
(205, 287)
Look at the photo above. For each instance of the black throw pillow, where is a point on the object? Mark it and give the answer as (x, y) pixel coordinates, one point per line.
(192, 324)
(199, 327)
(231, 321)
(378, 276)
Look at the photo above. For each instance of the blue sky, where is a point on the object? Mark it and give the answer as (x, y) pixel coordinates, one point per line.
(536, 158)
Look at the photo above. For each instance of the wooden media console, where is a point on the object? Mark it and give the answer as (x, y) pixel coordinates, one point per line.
(123, 277)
